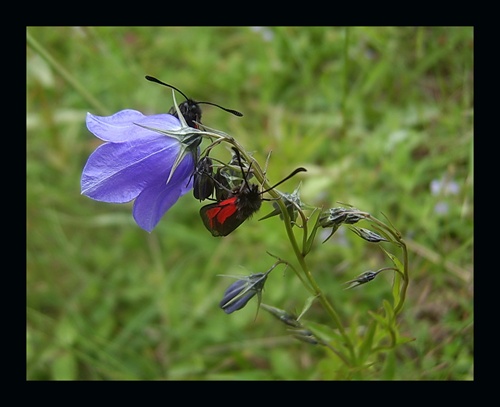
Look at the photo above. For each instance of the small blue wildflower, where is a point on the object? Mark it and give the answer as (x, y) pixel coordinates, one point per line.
(444, 187)
(266, 33)
(441, 208)
(137, 162)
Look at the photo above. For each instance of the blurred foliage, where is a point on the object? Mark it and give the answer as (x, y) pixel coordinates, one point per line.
(381, 117)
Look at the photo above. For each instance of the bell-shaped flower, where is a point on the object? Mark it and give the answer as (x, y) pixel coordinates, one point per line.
(140, 161)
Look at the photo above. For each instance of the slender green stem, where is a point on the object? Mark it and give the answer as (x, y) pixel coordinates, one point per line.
(396, 239)
(301, 259)
(406, 279)
(40, 50)
(299, 254)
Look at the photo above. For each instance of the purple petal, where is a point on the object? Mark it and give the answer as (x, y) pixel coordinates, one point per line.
(158, 197)
(118, 172)
(234, 292)
(123, 126)
(239, 303)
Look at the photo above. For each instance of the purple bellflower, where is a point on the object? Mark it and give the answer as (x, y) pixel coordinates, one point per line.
(140, 161)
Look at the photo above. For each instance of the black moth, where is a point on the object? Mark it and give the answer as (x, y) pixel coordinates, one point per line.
(203, 181)
(190, 109)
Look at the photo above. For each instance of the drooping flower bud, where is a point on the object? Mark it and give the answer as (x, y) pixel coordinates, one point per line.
(282, 315)
(368, 235)
(304, 335)
(243, 290)
(335, 217)
(365, 277)
(297, 329)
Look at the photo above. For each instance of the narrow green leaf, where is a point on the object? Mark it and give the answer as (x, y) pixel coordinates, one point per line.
(307, 305)
(379, 318)
(396, 285)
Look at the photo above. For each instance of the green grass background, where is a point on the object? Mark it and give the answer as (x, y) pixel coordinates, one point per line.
(374, 113)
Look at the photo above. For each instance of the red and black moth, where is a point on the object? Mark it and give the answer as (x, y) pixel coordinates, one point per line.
(224, 216)
(190, 109)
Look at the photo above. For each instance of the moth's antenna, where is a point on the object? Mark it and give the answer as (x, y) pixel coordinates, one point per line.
(300, 169)
(153, 79)
(235, 112)
(296, 171)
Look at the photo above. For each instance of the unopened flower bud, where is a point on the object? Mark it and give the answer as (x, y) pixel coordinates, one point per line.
(337, 216)
(243, 290)
(297, 329)
(304, 335)
(365, 277)
(282, 315)
(368, 235)
(292, 202)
